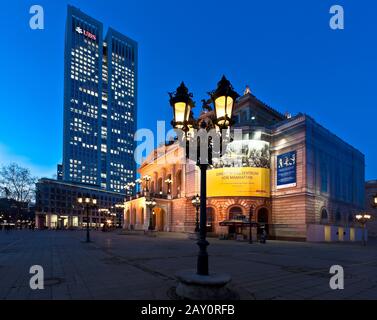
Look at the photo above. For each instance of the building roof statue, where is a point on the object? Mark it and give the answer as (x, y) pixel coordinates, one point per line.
(247, 90)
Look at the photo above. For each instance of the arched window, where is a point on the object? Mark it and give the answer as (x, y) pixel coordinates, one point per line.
(133, 219)
(210, 219)
(263, 215)
(159, 185)
(235, 213)
(324, 216)
(128, 217)
(168, 185)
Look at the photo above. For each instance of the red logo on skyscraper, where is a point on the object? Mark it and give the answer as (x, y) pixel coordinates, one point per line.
(86, 33)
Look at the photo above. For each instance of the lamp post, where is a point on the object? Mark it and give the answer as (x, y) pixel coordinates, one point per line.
(103, 214)
(132, 185)
(196, 203)
(150, 203)
(138, 184)
(147, 179)
(120, 214)
(181, 101)
(168, 181)
(251, 213)
(363, 218)
(88, 203)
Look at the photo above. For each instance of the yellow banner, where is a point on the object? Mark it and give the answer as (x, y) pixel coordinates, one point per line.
(238, 182)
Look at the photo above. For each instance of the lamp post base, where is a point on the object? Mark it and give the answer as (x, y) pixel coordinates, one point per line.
(196, 287)
(193, 235)
(151, 233)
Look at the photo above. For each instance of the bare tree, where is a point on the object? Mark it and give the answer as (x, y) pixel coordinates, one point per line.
(17, 183)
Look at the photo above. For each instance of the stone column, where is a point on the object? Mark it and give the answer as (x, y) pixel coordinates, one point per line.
(174, 183)
(164, 186)
(155, 181)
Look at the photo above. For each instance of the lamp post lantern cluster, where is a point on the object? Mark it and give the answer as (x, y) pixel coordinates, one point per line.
(223, 99)
(88, 203)
(168, 182)
(138, 183)
(251, 213)
(363, 218)
(147, 180)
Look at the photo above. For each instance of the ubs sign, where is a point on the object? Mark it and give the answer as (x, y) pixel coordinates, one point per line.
(86, 33)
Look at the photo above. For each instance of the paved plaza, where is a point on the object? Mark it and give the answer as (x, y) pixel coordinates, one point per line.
(123, 266)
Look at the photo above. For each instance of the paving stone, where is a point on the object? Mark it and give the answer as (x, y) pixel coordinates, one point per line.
(118, 266)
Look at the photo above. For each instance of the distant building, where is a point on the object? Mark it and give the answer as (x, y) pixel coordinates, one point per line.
(295, 178)
(16, 213)
(371, 206)
(59, 172)
(57, 205)
(100, 104)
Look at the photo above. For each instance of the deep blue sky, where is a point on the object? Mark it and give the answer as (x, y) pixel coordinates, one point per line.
(285, 51)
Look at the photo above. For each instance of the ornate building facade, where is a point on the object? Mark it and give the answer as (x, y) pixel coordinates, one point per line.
(371, 206)
(293, 177)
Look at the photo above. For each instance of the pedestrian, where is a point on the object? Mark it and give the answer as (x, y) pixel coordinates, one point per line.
(263, 237)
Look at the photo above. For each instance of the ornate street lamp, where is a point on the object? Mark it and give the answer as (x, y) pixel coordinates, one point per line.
(150, 203)
(87, 203)
(147, 179)
(132, 186)
(251, 213)
(182, 104)
(196, 203)
(169, 182)
(223, 98)
(138, 184)
(363, 218)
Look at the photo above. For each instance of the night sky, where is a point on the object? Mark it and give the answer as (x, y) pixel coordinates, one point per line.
(284, 50)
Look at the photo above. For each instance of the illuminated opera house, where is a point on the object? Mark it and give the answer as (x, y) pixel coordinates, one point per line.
(292, 177)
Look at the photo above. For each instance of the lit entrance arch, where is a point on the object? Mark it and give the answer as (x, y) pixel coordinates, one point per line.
(235, 213)
(159, 219)
(128, 217)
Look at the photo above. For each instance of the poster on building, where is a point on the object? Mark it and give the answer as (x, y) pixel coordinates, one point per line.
(286, 170)
(238, 182)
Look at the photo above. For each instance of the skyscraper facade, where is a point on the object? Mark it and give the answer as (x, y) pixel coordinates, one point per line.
(100, 103)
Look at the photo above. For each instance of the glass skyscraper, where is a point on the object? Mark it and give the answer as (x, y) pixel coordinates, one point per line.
(100, 103)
